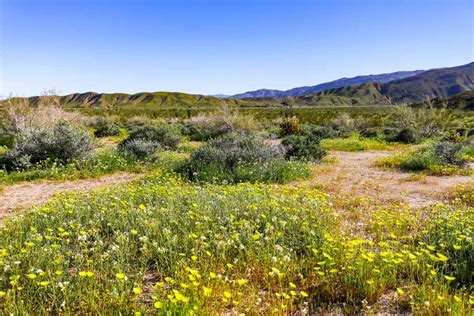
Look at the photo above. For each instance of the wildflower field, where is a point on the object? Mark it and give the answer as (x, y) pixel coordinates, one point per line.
(164, 245)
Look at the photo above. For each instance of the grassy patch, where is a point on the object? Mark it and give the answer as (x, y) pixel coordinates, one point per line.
(103, 162)
(423, 159)
(357, 143)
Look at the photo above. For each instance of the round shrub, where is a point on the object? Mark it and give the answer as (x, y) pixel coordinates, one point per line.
(369, 133)
(107, 130)
(206, 129)
(303, 147)
(448, 153)
(238, 158)
(167, 136)
(61, 143)
(139, 148)
(408, 136)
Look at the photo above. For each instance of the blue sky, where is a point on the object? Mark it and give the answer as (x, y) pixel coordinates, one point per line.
(227, 46)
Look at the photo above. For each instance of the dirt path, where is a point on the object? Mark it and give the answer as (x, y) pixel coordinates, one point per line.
(24, 195)
(354, 173)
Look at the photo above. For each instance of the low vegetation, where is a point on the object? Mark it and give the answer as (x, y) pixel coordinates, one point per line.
(215, 228)
(438, 158)
(184, 248)
(241, 158)
(356, 143)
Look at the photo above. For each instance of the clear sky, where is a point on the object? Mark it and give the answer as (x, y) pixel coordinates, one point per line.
(226, 46)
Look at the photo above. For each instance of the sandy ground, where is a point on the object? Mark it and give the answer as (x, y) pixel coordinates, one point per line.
(354, 173)
(21, 196)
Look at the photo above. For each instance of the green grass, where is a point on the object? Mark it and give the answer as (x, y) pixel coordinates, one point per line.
(422, 159)
(103, 162)
(166, 246)
(357, 143)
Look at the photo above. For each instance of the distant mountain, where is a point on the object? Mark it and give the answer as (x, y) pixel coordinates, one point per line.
(435, 83)
(339, 83)
(143, 100)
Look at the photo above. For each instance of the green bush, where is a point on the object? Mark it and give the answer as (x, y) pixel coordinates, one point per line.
(139, 148)
(168, 136)
(240, 158)
(206, 129)
(107, 130)
(448, 153)
(303, 147)
(61, 143)
(369, 133)
(408, 136)
(440, 158)
(321, 131)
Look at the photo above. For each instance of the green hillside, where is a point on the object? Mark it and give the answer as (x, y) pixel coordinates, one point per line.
(436, 83)
(462, 101)
(142, 100)
(431, 84)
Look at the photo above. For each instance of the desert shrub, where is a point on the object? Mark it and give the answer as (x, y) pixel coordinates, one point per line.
(369, 133)
(62, 143)
(167, 136)
(429, 121)
(439, 158)
(20, 115)
(321, 131)
(346, 124)
(448, 153)
(107, 130)
(408, 136)
(303, 147)
(238, 158)
(105, 126)
(290, 126)
(205, 127)
(139, 148)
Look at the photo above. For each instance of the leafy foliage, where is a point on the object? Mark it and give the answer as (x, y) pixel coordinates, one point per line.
(60, 143)
(303, 147)
(168, 136)
(139, 148)
(238, 158)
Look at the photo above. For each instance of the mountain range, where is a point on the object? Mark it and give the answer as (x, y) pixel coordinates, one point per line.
(343, 82)
(430, 84)
(413, 88)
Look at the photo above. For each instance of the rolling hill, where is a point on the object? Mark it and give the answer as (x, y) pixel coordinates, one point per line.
(143, 100)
